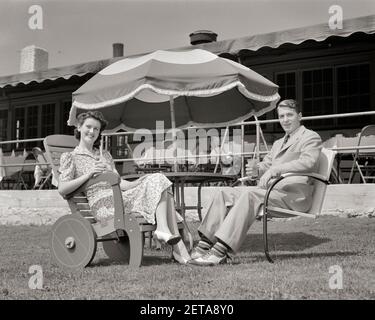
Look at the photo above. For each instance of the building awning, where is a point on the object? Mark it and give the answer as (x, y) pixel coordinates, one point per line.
(55, 73)
(319, 32)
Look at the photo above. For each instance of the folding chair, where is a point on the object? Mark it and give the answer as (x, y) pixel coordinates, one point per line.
(74, 237)
(364, 160)
(43, 173)
(24, 179)
(8, 181)
(8, 175)
(152, 161)
(321, 180)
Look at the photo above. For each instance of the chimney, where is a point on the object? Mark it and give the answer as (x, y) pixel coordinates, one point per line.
(202, 36)
(118, 50)
(33, 59)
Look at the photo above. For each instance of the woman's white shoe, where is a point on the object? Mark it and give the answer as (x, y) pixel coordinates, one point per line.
(168, 238)
(179, 258)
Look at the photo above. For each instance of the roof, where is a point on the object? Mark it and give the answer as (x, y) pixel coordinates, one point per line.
(318, 32)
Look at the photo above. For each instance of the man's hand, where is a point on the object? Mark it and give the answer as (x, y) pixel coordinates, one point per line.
(252, 169)
(266, 178)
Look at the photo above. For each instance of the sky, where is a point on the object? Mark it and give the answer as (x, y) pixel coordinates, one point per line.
(84, 30)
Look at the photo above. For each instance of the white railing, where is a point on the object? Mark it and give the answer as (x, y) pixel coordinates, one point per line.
(23, 164)
(241, 154)
(258, 132)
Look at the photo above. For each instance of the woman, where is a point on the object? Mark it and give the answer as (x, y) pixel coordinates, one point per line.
(148, 196)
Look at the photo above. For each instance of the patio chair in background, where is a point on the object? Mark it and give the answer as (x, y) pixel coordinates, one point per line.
(9, 175)
(153, 160)
(127, 167)
(321, 180)
(42, 172)
(7, 179)
(25, 176)
(227, 163)
(364, 160)
(74, 237)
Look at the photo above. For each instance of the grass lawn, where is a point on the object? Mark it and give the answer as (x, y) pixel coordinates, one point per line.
(304, 250)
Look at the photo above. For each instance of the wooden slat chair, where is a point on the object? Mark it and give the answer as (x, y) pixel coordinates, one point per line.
(321, 180)
(74, 236)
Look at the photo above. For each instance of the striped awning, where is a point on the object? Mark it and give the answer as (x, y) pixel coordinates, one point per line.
(319, 32)
(67, 72)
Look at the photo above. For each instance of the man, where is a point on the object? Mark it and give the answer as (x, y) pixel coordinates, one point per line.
(233, 211)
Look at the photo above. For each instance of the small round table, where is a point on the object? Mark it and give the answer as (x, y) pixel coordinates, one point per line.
(180, 178)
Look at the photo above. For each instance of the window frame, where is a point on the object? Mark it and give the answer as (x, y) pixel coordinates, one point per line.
(25, 107)
(300, 93)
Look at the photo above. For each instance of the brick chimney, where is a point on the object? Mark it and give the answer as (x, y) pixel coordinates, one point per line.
(202, 36)
(33, 59)
(118, 50)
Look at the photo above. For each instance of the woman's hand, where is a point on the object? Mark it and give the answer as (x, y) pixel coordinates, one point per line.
(99, 168)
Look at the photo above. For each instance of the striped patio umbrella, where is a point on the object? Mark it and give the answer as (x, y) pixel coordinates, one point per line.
(183, 88)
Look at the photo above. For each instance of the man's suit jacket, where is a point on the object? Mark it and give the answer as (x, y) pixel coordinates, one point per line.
(300, 155)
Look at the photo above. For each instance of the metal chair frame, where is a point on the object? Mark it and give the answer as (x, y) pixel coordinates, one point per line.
(324, 171)
(47, 176)
(368, 157)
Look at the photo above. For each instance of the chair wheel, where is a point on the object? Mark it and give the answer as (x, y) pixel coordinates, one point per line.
(117, 250)
(72, 242)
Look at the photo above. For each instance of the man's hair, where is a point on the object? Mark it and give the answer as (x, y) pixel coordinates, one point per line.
(97, 115)
(290, 103)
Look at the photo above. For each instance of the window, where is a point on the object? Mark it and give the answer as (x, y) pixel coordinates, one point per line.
(48, 119)
(65, 129)
(330, 90)
(287, 85)
(31, 122)
(3, 124)
(35, 121)
(317, 95)
(287, 90)
(20, 125)
(353, 92)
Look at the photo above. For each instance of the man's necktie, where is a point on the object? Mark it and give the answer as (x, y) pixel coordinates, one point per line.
(285, 141)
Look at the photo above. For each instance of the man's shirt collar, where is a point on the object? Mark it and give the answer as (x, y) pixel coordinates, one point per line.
(294, 132)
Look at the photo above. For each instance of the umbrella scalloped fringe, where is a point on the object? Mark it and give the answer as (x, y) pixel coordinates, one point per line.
(198, 93)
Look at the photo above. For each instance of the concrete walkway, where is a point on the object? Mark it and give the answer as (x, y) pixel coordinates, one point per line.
(36, 207)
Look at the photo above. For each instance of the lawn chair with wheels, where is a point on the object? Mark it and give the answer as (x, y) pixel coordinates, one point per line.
(321, 180)
(74, 237)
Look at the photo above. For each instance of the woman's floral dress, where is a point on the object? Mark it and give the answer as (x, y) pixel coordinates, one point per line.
(142, 199)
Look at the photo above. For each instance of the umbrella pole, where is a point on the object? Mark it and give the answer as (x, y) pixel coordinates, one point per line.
(174, 136)
(221, 148)
(257, 147)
